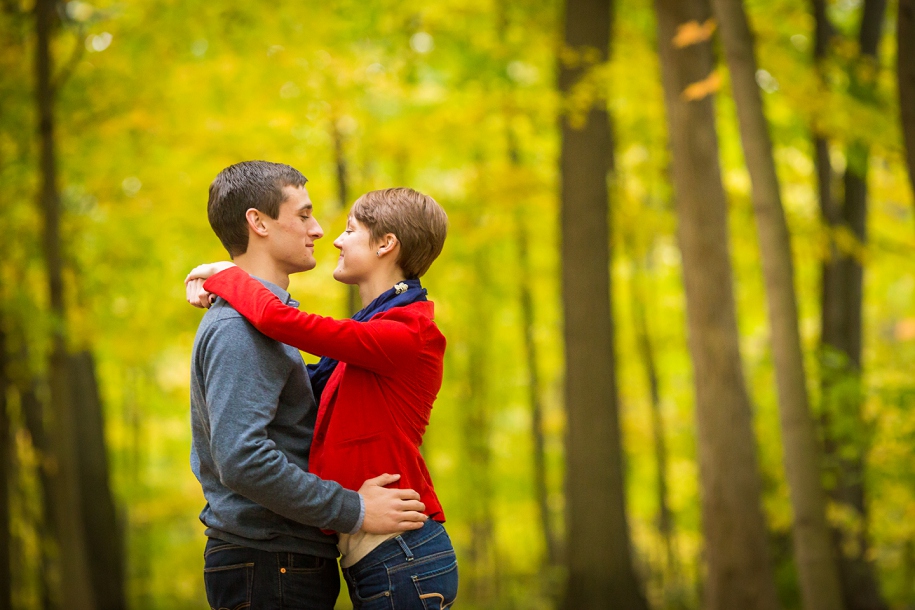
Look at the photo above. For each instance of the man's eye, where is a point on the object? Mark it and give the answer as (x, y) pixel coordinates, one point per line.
(305, 217)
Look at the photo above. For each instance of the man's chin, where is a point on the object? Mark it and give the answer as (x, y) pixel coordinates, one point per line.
(307, 266)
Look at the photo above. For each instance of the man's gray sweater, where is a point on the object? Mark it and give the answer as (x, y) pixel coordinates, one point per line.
(252, 419)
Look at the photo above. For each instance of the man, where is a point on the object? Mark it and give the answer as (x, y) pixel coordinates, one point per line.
(253, 416)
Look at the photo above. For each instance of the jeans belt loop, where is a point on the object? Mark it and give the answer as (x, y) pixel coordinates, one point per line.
(406, 549)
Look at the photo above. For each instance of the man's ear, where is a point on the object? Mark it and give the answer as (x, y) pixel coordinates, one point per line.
(255, 220)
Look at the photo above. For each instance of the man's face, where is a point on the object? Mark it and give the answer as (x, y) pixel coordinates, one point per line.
(294, 231)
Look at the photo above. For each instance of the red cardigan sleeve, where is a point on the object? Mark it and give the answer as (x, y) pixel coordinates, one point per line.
(382, 346)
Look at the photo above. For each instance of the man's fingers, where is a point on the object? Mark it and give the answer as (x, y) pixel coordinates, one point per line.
(384, 479)
(412, 516)
(413, 505)
(406, 494)
(410, 525)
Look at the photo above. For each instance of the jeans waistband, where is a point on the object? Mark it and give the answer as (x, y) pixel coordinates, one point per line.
(400, 545)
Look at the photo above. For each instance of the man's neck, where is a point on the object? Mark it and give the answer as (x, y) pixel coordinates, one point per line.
(262, 267)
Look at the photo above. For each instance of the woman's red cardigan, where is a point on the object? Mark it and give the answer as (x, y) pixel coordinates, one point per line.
(376, 405)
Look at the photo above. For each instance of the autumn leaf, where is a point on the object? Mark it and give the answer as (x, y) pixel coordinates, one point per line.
(703, 88)
(693, 32)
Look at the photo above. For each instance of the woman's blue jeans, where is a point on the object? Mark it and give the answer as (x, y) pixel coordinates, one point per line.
(415, 570)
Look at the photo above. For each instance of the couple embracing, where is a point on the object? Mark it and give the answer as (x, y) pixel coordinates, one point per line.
(301, 463)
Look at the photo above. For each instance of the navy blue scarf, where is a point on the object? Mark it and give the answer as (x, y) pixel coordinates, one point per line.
(415, 292)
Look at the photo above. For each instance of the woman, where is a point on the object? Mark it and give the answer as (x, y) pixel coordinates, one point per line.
(376, 384)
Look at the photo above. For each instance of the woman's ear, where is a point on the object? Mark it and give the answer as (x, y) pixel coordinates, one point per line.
(387, 244)
(255, 220)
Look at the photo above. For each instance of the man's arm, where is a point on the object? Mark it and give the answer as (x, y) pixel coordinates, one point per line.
(245, 373)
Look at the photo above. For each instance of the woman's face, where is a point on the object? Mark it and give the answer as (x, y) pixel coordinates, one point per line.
(357, 255)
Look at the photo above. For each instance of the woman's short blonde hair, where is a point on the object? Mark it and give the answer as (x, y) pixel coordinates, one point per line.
(417, 220)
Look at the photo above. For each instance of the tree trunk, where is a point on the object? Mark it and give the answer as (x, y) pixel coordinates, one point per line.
(73, 570)
(905, 71)
(33, 417)
(739, 573)
(599, 556)
(6, 476)
(841, 338)
(639, 300)
(106, 554)
(531, 359)
(483, 569)
(817, 567)
(526, 301)
(352, 292)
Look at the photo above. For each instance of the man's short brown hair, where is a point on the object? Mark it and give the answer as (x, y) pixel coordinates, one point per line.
(246, 185)
(417, 220)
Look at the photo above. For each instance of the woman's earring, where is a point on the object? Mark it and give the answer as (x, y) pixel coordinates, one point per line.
(378, 253)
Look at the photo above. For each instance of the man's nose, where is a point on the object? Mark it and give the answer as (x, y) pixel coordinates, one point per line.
(316, 231)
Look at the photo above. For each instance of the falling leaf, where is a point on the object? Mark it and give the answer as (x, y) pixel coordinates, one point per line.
(703, 88)
(692, 32)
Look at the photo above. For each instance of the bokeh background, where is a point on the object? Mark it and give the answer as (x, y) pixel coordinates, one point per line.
(115, 117)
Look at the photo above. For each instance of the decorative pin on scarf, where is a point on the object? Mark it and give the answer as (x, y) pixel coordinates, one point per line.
(400, 288)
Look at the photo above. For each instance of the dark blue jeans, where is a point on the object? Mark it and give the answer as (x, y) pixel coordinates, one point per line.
(238, 577)
(416, 570)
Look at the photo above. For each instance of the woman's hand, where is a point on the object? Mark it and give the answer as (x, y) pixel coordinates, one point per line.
(202, 272)
(196, 295)
(193, 283)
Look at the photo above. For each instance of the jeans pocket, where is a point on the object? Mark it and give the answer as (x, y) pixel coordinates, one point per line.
(372, 590)
(309, 582)
(228, 587)
(437, 584)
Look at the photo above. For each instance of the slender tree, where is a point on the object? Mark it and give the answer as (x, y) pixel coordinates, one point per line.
(483, 572)
(739, 574)
(25, 385)
(813, 551)
(73, 571)
(639, 302)
(6, 472)
(106, 555)
(598, 560)
(528, 317)
(531, 359)
(343, 194)
(841, 332)
(905, 71)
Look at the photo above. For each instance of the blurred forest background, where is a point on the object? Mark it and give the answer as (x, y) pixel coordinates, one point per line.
(678, 285)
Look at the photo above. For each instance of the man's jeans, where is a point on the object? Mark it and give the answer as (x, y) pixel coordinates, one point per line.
(416, 570)
(238, 577)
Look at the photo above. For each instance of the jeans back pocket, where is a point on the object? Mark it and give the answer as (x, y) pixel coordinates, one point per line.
(437, 585)
(228, 577)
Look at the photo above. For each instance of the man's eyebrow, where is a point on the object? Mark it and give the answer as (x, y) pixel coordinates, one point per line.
(306, 207)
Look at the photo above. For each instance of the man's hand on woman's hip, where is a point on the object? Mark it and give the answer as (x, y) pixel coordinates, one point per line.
(390, 511)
